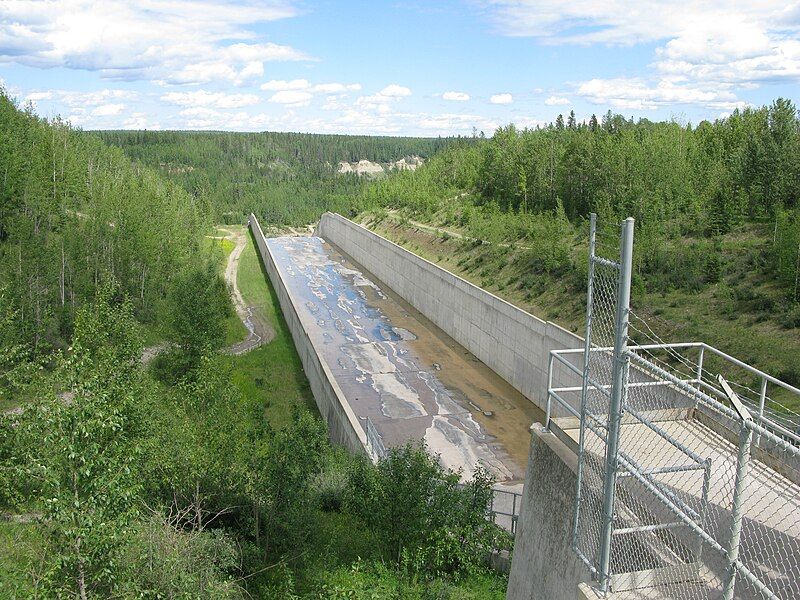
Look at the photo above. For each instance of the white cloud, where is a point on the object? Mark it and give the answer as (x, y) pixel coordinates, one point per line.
(395, 91)
(335, 88)
(292, 97)
(75, 100)
(302, 90)
(455, 96)
(205, 98)
(153, 39)
(449, 123)
(108, 110)
(501, 99)
(557, 101)
(709, 48)
(139, 120)
(38, 96)
(279, 85)
(637, 94)
(391, 93)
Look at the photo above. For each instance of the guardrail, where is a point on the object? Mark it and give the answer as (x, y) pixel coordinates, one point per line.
(719, 511)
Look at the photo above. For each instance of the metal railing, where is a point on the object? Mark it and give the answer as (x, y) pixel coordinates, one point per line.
(504, 508)
(678, 486)
(501, 515)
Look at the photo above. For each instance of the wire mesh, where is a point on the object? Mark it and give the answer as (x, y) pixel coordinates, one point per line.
(595, 403)
(706, 495)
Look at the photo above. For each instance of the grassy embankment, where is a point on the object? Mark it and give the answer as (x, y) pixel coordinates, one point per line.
(271, 374)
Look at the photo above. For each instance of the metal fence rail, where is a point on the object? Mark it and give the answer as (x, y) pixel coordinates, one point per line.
(685, 485)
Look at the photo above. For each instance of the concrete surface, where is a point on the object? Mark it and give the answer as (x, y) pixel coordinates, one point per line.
(510, 341)
(398, 369)
(544, 566)
(343, 425)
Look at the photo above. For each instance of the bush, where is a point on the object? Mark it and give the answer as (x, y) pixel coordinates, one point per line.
(428, 523)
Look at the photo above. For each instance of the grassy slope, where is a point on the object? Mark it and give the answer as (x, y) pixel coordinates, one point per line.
(748, 328)
(20, 544)
(271, 374)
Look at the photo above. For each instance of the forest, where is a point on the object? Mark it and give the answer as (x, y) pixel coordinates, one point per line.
(194, 474)
(205, 475)
(288, 178)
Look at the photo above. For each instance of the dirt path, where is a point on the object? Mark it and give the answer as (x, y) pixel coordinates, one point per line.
(395, 216)
(259, 330)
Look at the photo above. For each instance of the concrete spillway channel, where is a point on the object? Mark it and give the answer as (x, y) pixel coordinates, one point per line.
(410, 379)
(397, 376)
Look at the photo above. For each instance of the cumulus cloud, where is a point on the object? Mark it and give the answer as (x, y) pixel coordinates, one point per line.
(292, 97)
(395, 91)
(455, 96)
(157, 39)
(279, 85)
(637, 94)
(73, 99)
(205, 98)
(449, 123)
(501, 99)
(335, 88)
(557, 101)
(108, 110)
(304, 86)
(708, 49)
(391, 93)
(139, 120)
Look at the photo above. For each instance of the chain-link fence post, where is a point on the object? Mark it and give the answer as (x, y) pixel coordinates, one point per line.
(618, 391)
(737, 509)
(586, 349)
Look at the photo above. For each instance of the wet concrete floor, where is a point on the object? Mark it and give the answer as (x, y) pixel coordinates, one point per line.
(394, 366)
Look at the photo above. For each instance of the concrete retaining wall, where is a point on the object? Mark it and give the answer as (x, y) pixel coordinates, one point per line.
(512, 342)
(544, 565)
(343, 426)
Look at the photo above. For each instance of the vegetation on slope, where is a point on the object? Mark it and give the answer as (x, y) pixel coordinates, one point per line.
(284, 178)
(204, 475)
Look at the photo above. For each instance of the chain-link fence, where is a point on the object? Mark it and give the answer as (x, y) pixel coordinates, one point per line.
(688, 484)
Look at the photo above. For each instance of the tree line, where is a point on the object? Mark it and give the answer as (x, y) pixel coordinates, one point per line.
(285, 178)
(167, 481)
(74, 213)
(679, 181)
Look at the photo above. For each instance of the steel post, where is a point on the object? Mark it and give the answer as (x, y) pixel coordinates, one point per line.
(586, 350)
(742, 461)
(618, 393)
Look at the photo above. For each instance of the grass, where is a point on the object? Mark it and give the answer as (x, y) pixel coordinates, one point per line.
(271, 374)
(235, 331)
(20, 543)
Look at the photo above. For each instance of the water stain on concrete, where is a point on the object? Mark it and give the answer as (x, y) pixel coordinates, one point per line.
(400, 370)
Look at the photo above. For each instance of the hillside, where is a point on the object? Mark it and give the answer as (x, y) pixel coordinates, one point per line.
(196, 466)
(285, 178)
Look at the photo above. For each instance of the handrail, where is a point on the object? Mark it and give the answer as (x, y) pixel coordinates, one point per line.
(764, 422)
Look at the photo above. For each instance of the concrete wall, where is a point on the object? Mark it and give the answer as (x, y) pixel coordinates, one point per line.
(545, 567)
(343, 425)
(512, 342)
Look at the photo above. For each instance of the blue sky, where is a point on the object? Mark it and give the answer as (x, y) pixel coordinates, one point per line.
(404, 67)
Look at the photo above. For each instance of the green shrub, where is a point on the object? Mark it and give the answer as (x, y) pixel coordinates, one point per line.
(426, 521)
